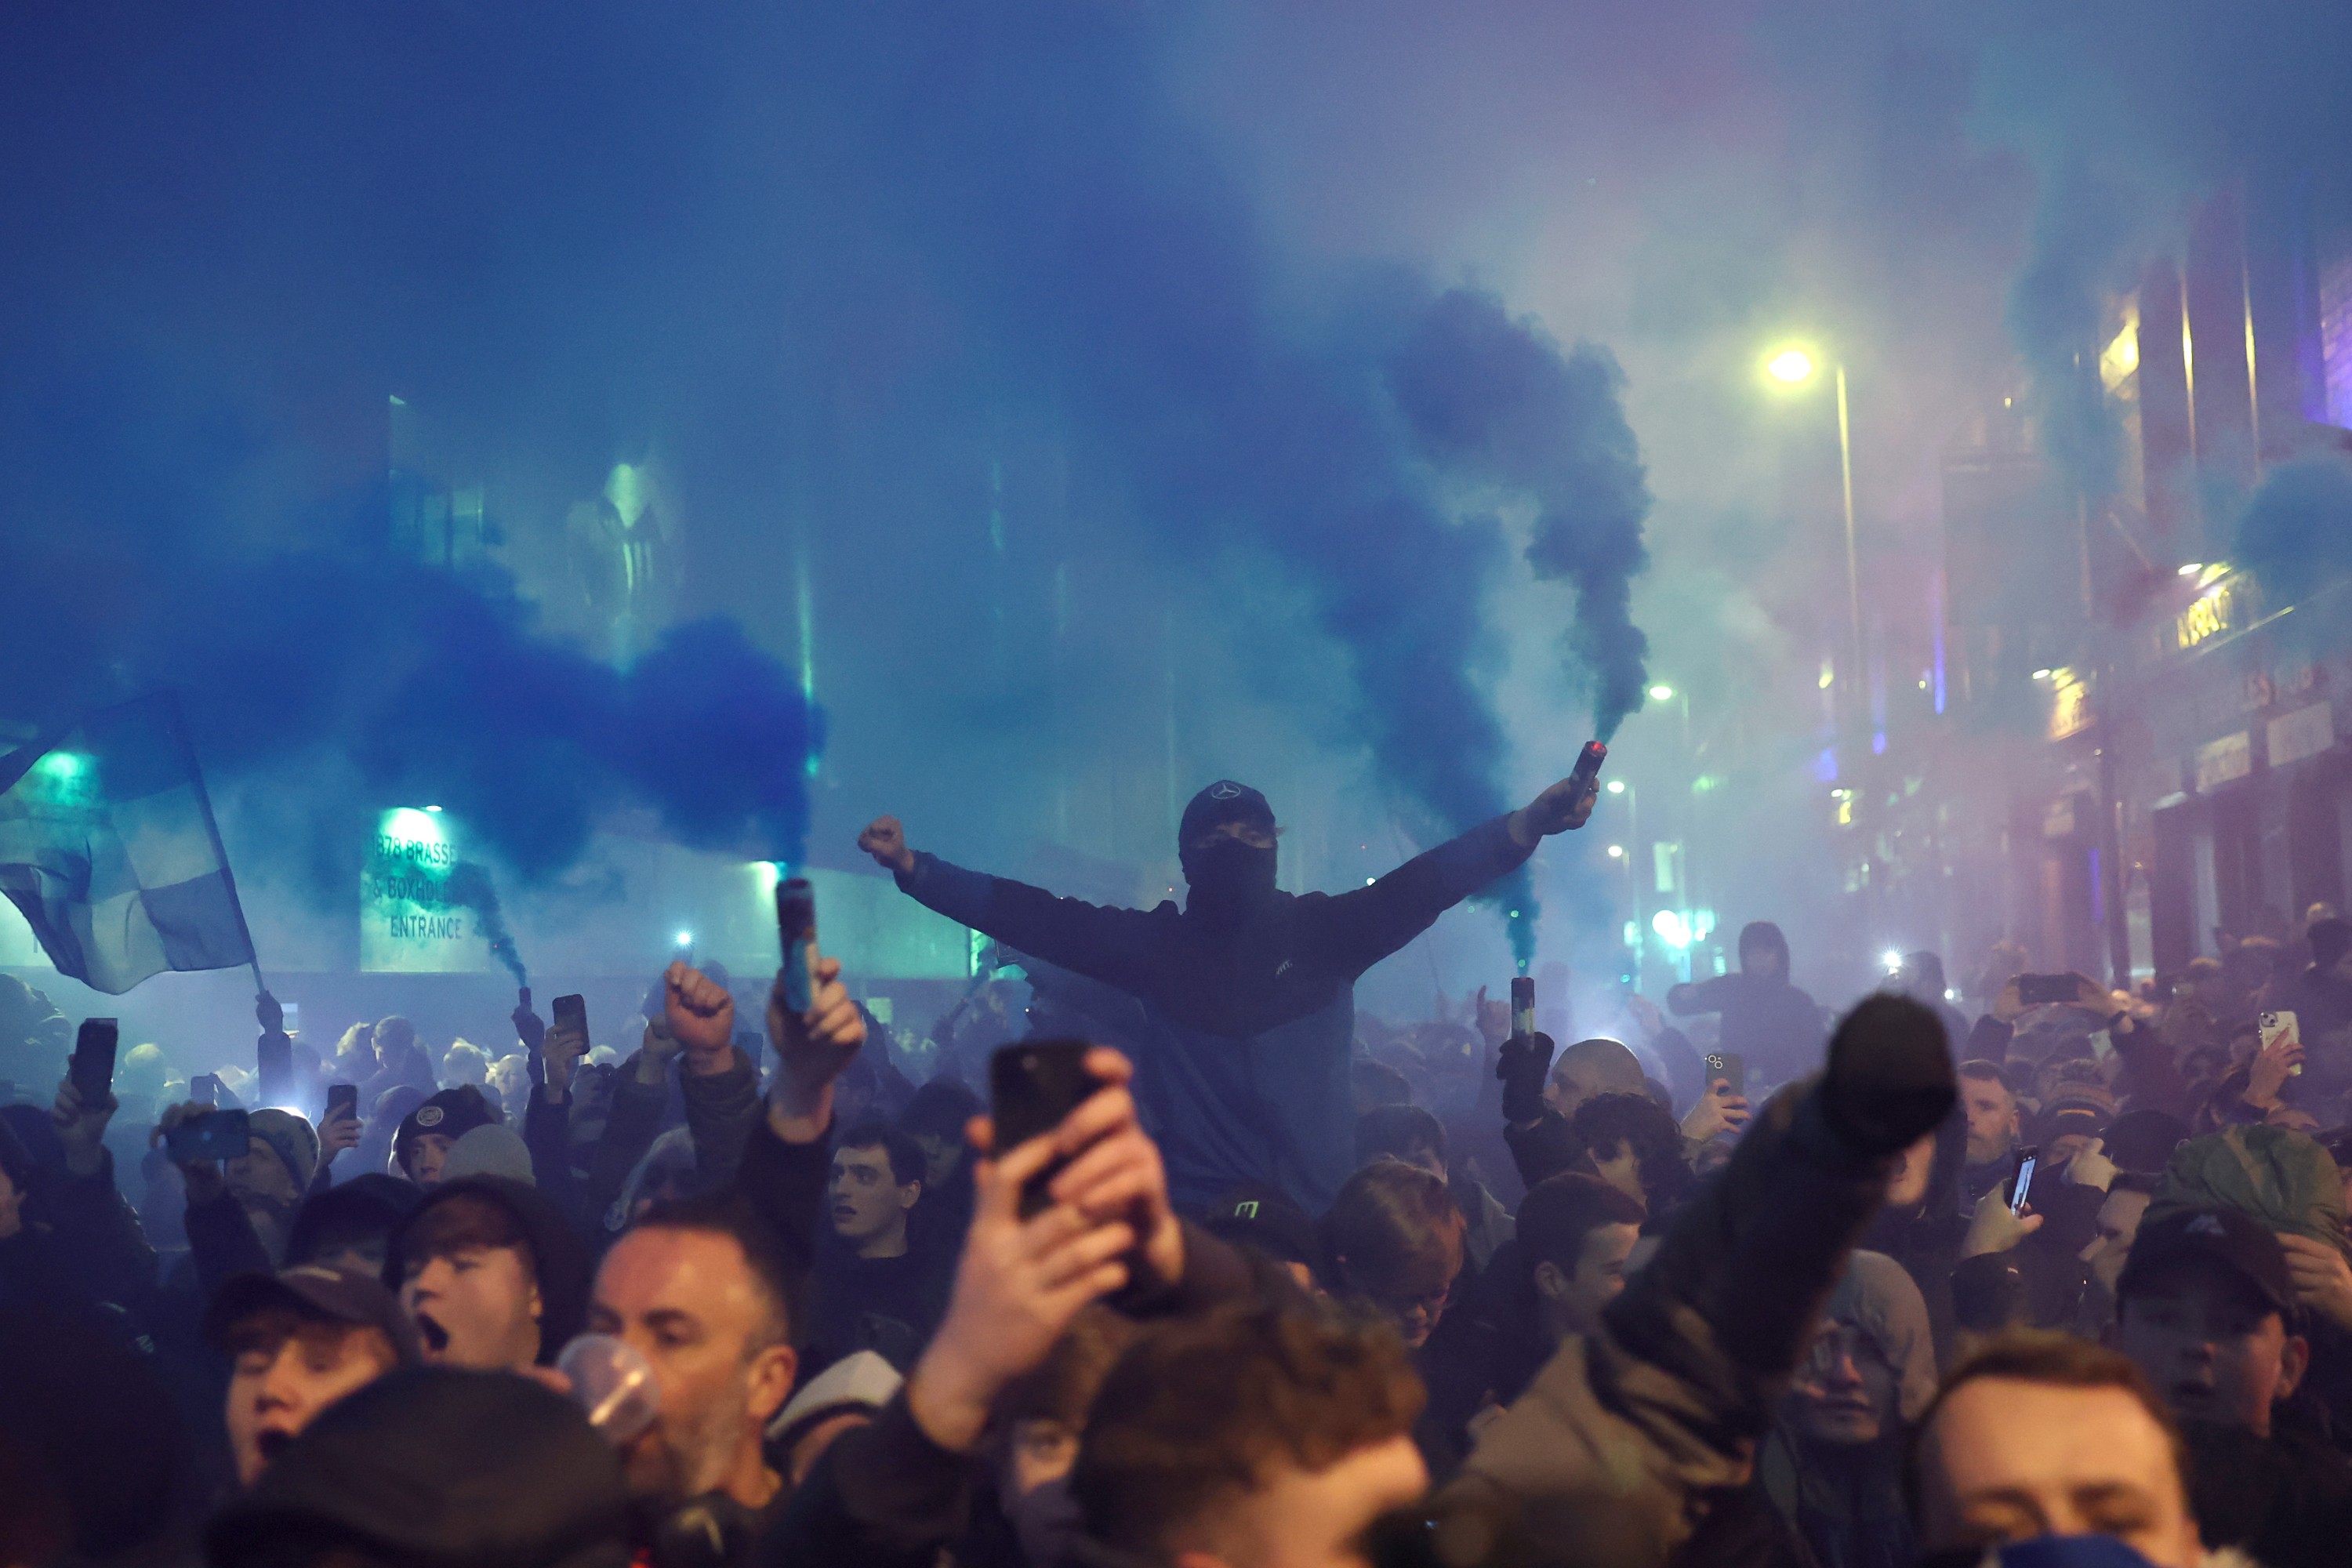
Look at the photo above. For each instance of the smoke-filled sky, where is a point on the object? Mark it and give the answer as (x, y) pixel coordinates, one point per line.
(1106, 397)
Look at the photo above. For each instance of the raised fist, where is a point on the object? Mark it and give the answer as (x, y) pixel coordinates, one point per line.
(887, 842)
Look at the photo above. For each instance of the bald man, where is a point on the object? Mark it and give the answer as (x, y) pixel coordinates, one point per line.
(1535, 1126)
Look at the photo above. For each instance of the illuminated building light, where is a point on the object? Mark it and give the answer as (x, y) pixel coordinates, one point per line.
(2121, 356)
(1632, 934)
(1670, 928)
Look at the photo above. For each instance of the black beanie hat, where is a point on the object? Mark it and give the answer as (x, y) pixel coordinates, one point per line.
(453, 1113)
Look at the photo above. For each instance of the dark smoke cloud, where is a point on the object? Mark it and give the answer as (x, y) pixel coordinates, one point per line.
(1496, 398)
(470, 885)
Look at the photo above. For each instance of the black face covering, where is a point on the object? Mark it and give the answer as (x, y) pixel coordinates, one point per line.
(1229, 881)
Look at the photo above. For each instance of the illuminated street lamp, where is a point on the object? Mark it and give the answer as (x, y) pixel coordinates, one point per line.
(1793, 366)
(1662, 692)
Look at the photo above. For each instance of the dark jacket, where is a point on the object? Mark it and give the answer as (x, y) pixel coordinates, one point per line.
(2286, 1499)
(1665, 1406)
(1770, 1023)
(1242, 1072)
(80, 1246)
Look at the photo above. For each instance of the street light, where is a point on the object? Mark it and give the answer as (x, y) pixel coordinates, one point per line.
(1662, 692)
(1616, 786)
(1793, 366)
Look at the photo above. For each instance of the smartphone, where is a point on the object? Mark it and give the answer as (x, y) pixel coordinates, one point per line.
(2042, 990)
(2021, 1181)
(204, 1089)
(92, 1069)
(2273, 1025)
(1031, 1086)
(293, 1012)
(796, 930)
(1588, 762)
(215, 1135)
(571, 1012)
(342, 1100)
(1731, 1067)
(1523, 1006)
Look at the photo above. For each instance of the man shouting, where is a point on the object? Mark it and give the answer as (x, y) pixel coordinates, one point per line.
(1248, 991)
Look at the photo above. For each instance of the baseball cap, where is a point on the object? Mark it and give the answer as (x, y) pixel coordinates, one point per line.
(313, 1290)
(1222, 801)
(2218, 1237)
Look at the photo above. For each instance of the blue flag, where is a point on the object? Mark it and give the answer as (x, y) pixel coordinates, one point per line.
(108, 847)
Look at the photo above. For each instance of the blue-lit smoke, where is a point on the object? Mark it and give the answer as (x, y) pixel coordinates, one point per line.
(826, 263)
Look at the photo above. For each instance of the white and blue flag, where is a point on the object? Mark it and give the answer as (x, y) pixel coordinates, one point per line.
(108, 849)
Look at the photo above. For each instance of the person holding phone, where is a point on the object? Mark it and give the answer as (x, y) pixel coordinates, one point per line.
(1247, 992)
(67, 1239)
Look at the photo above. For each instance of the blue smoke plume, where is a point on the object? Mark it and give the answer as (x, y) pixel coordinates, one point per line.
(827, 262)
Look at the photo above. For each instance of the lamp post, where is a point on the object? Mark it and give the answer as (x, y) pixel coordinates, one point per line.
(1633, 853)
(1793, 367)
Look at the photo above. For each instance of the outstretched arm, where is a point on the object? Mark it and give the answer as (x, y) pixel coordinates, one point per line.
(1369, 923)
(1103, 944)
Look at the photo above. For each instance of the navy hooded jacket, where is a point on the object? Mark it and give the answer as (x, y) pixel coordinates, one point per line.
(1243, 1072)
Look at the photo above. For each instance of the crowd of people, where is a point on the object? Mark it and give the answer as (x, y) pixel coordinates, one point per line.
(1285, 1285)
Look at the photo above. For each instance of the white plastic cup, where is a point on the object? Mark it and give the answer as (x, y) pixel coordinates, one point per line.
(613, 1385)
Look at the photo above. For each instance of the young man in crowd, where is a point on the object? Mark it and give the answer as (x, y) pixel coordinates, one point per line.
(1251, 1436)
(873, 1290)
(241, 1211)
(297, 1340)
(494, 1276)
(427, 1133)
(1575, 1233)
(2206, 1310)
(2049, 1434)
(1416, 1137)
(1248, 991)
